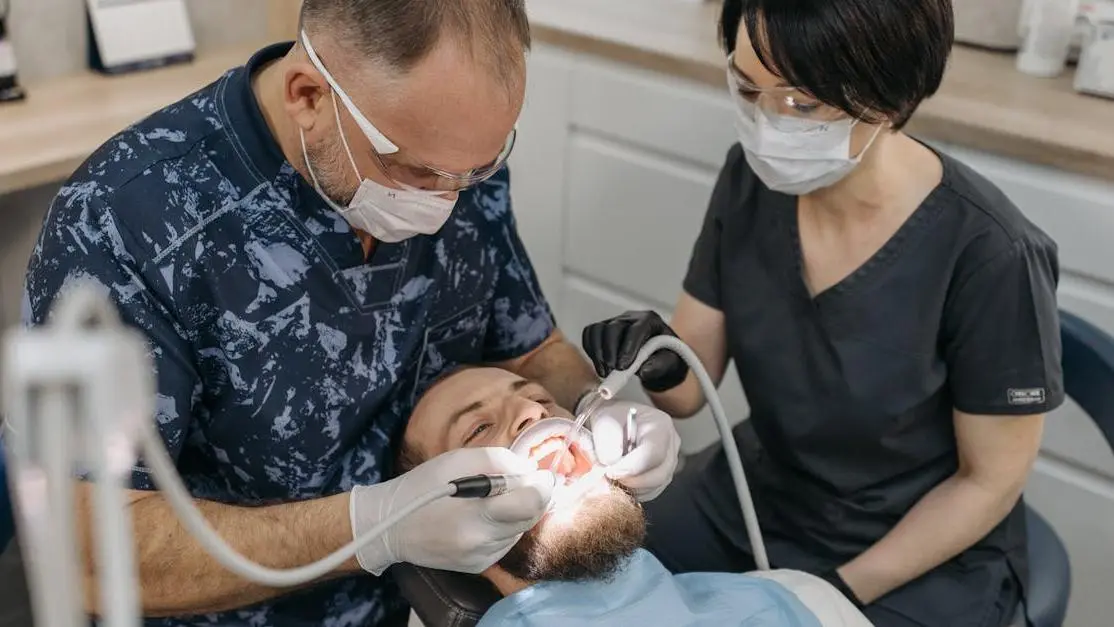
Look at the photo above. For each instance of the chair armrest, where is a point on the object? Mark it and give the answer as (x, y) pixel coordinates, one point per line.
(1049, 573)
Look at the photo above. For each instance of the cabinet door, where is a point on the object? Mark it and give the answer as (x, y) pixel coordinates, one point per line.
(537, 166)
(685, 120)
(632, 217)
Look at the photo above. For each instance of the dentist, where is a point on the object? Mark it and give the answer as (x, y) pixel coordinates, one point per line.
(306, 243)
(892, 316)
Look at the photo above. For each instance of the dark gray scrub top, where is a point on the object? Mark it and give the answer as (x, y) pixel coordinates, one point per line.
(852, 392)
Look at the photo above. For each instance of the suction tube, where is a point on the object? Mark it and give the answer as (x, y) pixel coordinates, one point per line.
(618, 379)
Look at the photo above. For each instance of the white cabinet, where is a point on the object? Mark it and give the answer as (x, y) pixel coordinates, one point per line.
(632, 217)
(648, 110)
(611, 182)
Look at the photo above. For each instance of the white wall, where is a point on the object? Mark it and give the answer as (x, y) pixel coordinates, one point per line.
(612, 175)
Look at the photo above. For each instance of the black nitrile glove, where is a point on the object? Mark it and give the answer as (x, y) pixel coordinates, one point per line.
(614, 343)
(832, 577)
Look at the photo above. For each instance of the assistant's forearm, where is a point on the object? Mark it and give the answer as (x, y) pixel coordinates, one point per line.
(178, 577)
(682, 401)
(948, 520)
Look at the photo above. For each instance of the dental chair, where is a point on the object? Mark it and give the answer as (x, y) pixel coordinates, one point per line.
(1088, 360)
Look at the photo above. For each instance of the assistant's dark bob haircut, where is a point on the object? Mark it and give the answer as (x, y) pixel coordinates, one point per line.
(875, 60)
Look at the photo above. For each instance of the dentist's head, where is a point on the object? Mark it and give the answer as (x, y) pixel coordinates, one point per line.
(390, 108)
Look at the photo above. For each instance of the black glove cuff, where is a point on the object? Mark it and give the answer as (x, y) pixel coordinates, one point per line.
(832, 577)
(664, 384)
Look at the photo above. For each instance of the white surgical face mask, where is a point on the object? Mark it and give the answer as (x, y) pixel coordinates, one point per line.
(797, 156)
(387, 214)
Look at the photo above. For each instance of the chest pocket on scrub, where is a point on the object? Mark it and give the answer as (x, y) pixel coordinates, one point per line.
(454, 341)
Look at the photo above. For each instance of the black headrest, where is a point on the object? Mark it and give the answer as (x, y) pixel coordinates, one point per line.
(445, 599)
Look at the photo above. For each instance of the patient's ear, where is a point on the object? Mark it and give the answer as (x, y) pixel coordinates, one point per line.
(503, 581)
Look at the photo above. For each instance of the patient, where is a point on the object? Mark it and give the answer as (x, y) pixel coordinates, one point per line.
(582, 563)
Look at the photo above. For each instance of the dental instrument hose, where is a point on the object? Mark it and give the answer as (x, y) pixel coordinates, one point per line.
(618, 379)
(170, 483)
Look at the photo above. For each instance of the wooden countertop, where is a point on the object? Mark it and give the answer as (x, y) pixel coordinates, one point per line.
(984, 102)
(62, 121)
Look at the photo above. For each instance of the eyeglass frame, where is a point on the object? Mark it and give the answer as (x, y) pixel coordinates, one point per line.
(736, 75)
(381, 145)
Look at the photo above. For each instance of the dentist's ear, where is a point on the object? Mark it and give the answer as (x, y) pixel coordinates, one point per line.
(306, 96)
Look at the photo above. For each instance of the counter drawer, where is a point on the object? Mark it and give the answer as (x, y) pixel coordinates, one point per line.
(666, 114)
(632, 217)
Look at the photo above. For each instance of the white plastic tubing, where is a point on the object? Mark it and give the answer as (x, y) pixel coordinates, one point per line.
(619, 379)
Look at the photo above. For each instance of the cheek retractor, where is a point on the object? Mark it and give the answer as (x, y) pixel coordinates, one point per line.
(546, 442)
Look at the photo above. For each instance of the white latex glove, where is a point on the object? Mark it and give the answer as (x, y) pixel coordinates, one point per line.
(458, 534)
(648, 468)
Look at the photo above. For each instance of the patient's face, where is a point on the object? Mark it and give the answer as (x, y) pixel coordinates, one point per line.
(585, 538)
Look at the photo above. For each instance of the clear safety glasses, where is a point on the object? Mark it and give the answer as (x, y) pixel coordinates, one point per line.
(786, 108)
(414, 175)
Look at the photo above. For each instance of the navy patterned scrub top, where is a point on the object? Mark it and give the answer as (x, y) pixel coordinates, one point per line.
(287, 363)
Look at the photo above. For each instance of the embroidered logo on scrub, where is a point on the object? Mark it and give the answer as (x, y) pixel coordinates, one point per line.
(1025, 396)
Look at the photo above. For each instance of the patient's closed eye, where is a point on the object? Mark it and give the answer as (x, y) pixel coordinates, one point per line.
(476, 432)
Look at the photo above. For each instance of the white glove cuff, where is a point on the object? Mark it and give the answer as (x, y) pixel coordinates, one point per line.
(374, 557)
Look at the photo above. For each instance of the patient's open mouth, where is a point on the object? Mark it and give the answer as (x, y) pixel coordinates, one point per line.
(549, 455)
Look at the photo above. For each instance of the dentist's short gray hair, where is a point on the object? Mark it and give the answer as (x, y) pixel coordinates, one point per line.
(400, 33)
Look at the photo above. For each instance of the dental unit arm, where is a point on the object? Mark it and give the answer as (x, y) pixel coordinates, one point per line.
(618, 379)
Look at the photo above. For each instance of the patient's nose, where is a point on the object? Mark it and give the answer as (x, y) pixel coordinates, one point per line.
(528, 412)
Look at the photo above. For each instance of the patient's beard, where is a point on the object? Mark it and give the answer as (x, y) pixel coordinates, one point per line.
(592, 544)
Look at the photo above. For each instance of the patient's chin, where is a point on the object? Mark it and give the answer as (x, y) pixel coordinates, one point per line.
(590, 542)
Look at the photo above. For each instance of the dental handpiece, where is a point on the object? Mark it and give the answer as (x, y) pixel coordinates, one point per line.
(486, 486)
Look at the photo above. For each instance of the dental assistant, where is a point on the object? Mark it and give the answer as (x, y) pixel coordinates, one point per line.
(892, 316)
(306, 243)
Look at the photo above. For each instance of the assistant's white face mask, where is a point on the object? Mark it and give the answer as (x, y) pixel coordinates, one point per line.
(801, 156)
(387, 214)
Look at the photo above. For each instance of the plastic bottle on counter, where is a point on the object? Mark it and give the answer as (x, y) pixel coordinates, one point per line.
(1047, 28)
(1095, 74)
(9, 84)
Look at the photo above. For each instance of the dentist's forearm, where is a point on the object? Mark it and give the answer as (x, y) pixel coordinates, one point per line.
(179, 578)
(560, 367)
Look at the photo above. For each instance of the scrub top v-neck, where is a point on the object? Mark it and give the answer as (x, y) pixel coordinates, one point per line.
(852, 390)
(287, 361)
